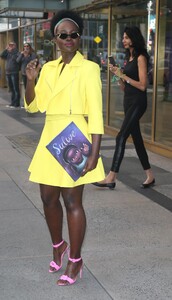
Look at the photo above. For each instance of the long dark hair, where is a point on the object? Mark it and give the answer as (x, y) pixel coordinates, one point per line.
(138, 42)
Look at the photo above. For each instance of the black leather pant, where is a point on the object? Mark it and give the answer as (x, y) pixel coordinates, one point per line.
(133, 113)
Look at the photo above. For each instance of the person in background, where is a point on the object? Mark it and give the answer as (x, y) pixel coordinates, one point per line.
(12, 72)
(133, 81)
(68, 89)
(24, 57)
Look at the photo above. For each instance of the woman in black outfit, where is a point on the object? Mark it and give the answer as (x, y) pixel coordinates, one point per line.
(134, 82)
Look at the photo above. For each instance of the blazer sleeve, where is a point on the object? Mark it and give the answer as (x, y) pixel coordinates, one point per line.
(94, 99)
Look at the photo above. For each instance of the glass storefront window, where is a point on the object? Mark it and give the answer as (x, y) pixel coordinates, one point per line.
(44, 43)
(13, 22)
(28, 35)
(135, 14)
(41, 40)
(3, 24)
(163, 125)
(25, 21)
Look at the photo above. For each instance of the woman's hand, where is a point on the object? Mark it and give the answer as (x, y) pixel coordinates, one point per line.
(116, 71)
(90, 164)
(92, 160)
(32, 69)
(112, 68)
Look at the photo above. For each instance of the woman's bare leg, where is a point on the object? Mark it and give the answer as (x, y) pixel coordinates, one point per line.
(76, 226)
(54, 217)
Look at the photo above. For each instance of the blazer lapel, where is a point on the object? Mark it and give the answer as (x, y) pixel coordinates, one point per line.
(66, 77)
(52, 73)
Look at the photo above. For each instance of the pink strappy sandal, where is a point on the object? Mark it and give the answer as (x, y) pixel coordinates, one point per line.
(53, 263)
(67, 279)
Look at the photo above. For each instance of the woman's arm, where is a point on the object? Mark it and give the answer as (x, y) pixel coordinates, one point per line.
(93, 158)
(32, 71)
(142, 70)
(4, 54)
(121, 84)
(96, 140)
(19, 57)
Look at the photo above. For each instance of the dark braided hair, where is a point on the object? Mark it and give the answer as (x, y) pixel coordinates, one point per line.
(66, 14)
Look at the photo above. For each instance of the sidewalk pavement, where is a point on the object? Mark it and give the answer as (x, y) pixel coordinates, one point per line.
(128, 244)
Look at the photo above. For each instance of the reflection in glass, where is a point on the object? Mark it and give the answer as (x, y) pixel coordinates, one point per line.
(44, 42)
(163, 132)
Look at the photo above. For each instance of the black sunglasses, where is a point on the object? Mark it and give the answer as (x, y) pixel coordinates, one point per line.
(64, 36)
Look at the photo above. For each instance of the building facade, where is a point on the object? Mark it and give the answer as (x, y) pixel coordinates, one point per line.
(103, 30)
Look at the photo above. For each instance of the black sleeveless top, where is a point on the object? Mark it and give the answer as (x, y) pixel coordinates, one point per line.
(131, 70)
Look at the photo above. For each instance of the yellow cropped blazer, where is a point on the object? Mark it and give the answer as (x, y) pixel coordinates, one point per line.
(77, 87)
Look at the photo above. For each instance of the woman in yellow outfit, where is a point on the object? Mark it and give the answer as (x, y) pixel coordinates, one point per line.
(68, 90)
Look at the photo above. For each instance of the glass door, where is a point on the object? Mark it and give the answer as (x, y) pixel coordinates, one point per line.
(142, 15)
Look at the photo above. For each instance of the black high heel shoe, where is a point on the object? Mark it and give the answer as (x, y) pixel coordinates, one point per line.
(147, 185)
(110, 185)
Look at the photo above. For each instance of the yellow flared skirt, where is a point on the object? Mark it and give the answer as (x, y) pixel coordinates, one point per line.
(45, 169)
